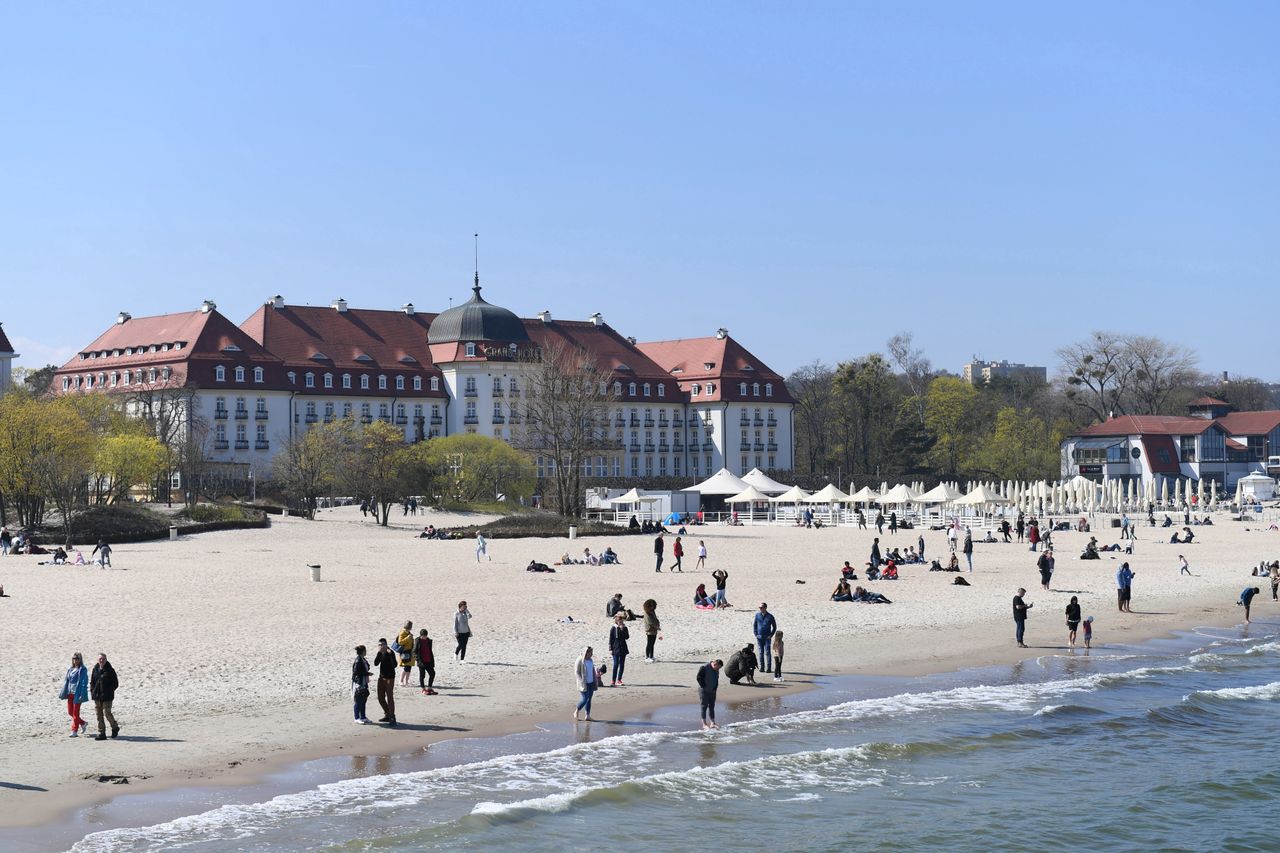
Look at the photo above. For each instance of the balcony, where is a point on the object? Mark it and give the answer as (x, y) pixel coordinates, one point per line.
(677, 421)
(678, 447)
(772, 447)
(221, 444)
(260, 415)
(402, 419)
(328, 417)
(499, 419)
(436, 419)
(514, 392)
(759, 421)
(648, 447)
(310, 417)
(635, 447)
(773, 422)
(366, 419)
(635, 421)
(242, 414)
(497, 392)
(220, 414)
(242, 444)
(470, 392)
(620, 421)
(708, 445)
(262, 444)
(648, 422)
(759, 446)
(663, 447)
(385, 417)
(709, 427)
(515, 419)
(471, 419)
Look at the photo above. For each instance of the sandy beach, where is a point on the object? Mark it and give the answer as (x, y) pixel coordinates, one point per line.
(232, 660)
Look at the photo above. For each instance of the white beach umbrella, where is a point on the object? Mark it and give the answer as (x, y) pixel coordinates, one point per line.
(864, 496)
(828, 494)
(1239, 494)
(1164, 491)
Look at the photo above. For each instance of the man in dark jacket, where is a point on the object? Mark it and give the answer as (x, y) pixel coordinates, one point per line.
(658, 546)
(708, 683)
(386, 661)
(742, 664)
(102, 690)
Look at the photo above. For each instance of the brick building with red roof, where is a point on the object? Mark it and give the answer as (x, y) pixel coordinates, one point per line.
(682, 408)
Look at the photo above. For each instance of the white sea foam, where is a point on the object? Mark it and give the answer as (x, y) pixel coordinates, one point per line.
(1258, 692)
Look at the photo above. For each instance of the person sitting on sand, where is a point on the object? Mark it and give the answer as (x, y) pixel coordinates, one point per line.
(989, 537)
(80, 561)
(1091, 550)
(609, 557)
(1168, 522)
(742, 665)
(59, 557)
(588, 558)
(862, 595)
(1187, 536)
(847, 572)
(953, 564)
(889, 572)
(935, 566)
(428, 532)
(701, 599)
(842, 591)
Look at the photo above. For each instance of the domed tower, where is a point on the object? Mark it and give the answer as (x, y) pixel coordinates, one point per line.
(483, 351)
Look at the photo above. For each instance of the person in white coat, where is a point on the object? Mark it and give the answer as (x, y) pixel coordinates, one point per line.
(588, 679)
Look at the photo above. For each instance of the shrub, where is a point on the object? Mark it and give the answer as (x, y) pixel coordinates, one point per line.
(538, 526)
(205, 513)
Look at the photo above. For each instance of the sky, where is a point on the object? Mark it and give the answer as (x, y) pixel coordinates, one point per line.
(997, 178)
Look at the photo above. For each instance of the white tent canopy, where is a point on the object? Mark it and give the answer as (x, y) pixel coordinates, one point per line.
(864, 496)
(981, 495)
(828, 495)
(899, 494)
(795, 494)
(635, 496)
(762, 481)
(720, 483)
(943, 493)
(748, 495)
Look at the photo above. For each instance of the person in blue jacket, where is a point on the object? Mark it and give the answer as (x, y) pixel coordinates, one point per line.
(75, 689)
(765, 626)
(1246, 598)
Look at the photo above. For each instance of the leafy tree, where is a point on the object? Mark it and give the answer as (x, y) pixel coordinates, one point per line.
(479, 468)
(22, 423)
(812, 388)
(866, 401)
(38, 380)
(372, 466)
(124, 461)
(1022, 446)
(950, 406)
(306, 466)
(63, 457)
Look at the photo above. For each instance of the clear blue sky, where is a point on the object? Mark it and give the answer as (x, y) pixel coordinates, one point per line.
(999, 178)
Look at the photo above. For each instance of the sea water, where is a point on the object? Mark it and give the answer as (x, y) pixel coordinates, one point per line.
(1165, 747)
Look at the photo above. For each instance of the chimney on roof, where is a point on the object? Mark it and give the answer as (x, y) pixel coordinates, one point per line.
(597, 319)
(722, 333)
(207, 306)
(123, 317)
(407, 308)
(631, 339)
(544, 316)
(339, 305)
(276, 301)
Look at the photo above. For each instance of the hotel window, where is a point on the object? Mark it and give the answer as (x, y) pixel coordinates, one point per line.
(497, 385)
(293, 378)
(309, 380)
(220, 434)
(346, 410)
(346, 380)
(417, 411)
(311, 412)
(744, 463)
(773, 462)
(1213, 446)
(262, 435)
(675, 466)
(757, 461)
(617, 389)
(364, 412)
(262, 405)
(382, 383)
(328, 380)
(742, 388)
(417, 383)
(708, 463)
(364, 381)
(631, 389)
(768, 392)
(242, 437)
(635, 466)
(662, 389)
(646, 389)
(755, 389)
(648, 466)
(617, 466)
(471, 350)
(165, 374)
(257, 374)
(328, 412)
(662, 466)
(399, 383)
(383, 412)
(435, 383)
(400, 412)
(514, 386)
(239, 374)
(220, 374)
(470, 386)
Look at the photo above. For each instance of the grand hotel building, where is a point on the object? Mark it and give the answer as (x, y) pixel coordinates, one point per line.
(684, 408)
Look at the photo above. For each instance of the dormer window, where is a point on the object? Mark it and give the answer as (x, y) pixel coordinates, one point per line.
(239, 373)
(631, 389)
(646, 389)
(742, 388)
(258, 374)
(617, 389)
(435, 383)
(768, 389)
(346, 380)
(711, 388)
(309, 379)
(417, 383)
(755, 389)
(696, 390)
(165, 374)
(328, 380)
(471, 350)
(708, 365)
(399, 383)
(293, 378)
(662, 389)
(382, 383)
(219, 374)
(163, 348)
(364, 381)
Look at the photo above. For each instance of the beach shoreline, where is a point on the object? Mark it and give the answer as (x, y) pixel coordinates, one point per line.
(492, 698)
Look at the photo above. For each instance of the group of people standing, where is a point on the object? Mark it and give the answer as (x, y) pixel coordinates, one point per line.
(403, 653)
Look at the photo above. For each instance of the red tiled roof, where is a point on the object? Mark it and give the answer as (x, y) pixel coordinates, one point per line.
(612, 352)
(1208, 401)
(1148, 425)
(731, 364)
(5, 346)
(1162, 456)
(1250, 423)
(1232, 444)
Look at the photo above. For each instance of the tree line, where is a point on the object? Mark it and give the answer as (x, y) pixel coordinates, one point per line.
(890, 415)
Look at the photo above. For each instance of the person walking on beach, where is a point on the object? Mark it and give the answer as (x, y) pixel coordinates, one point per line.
(677, 551)
(104, 550)
(777, 656)
(893, 523)
(702, 556)
(482, 547)
(1088, 632)
(1246, 599)
(618, 636)
(1045, 564)
(75, 689)
(1033, 534)
(765, 626)
(588, 680)
(875, 552)
(1020, 526)
(1004, 530)
(404, 648)
(360, 686)
(1274, 571)
(385, 660)
(862, 520)
(426, 658)
(462, 630)
(1073, 620)
(721, 577)
(968, 547)
(6, 541)
(1183, 567)
(1124, 587)
(920, 547)
(1020, 609)
(880, 522)
(658, 546)
(103, 684)
(708, 684)
(951, 538)
(652, 629)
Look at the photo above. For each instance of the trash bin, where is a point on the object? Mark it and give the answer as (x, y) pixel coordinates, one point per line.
(173, 532)
(1115, 522)
(573, 531)
(315, 573)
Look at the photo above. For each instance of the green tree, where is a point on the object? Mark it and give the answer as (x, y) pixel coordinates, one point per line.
(479, 468)
(124, 461)
(22, 423)
(1022, 446)
(867, 399)
(306, 466)
(950, 408)
(372, 466)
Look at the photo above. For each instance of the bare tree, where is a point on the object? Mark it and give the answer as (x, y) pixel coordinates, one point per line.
(169, 409)
(1097, 373)
(811, 386)
(913, 365)
(567, 419)
(1160, 369)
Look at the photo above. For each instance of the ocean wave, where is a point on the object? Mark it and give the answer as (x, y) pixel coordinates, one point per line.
(1264, 692)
